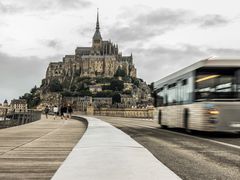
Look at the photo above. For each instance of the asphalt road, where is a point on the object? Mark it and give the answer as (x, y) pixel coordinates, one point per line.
(195, 157)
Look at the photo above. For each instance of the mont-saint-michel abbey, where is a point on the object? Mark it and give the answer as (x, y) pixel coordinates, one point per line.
(97, 75)
(101, 59)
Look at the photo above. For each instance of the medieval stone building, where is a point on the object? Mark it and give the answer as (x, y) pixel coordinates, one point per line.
(102, 59)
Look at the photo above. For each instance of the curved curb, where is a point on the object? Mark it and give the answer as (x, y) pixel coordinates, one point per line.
(106, 153)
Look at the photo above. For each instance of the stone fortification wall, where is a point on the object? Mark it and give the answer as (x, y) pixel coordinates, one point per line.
(125, 112)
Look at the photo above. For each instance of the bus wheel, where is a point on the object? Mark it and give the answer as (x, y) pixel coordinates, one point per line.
(185, 120)
(164, 126)
(160, 120)
(160, 117)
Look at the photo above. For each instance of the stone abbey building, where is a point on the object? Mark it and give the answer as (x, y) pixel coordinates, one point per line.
(102, 59)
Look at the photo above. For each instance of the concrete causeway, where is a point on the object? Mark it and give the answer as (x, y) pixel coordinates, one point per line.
(36, 150)
(106, 153)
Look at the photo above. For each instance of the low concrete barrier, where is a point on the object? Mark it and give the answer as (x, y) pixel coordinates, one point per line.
(106, 153)
(10, 118)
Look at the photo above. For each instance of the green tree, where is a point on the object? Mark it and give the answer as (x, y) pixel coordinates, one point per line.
(116, 98)
(136, 82)
(104, 94)
(34, 90)
(116, 85)
(55, 86)
(83, 93)
(34, 101)
(67, 93)
(120, 72)
(33, 98)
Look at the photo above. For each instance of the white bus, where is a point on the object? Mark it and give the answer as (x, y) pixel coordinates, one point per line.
(204, 96)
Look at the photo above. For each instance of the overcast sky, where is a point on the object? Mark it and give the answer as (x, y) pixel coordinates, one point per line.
(163, 35)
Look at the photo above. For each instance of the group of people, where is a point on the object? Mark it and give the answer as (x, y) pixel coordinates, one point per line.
(65, 111)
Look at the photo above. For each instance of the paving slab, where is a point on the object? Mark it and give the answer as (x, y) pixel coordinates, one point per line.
(36, 150)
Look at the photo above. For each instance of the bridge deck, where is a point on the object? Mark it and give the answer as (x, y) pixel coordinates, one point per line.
(36, 150)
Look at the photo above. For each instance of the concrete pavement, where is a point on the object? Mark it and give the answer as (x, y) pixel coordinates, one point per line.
(190, 157)
(36, 150)
(106, 153)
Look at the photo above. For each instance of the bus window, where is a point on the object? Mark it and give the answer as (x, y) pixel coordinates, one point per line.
(216, 83)
(184, 82)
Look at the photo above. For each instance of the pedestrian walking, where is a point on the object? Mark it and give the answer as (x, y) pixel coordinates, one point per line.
(55, 111)
(46, 111)
(70, 111)
(63, 110)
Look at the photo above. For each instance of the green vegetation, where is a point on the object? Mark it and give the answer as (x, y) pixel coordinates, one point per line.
(136, 81)
(105, 94)
(120, 73)
(55, 86)
(116, 98)
(79, 87)
(82, 93)
(116, 85)
(32, 98)
(103, 80)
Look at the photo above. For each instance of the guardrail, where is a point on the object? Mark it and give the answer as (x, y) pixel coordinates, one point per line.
(11, 118)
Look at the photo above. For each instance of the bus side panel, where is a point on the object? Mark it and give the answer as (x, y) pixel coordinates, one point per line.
(173, 116)
(196, 120)
(229, 117)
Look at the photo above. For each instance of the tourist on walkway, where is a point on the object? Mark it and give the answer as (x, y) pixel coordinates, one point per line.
(64, 112)
(61, 111)
(70, 111)
(55, 111)
(46, 111)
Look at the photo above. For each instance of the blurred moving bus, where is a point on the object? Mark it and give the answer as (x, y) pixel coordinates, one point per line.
(204, 96)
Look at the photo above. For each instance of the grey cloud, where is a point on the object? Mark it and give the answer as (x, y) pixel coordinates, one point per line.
(164, 17)
(85, 31)
(225, 52)
(74, 3)
(20, 74)
(61, 4)
(55, 44)
(213, 21)
(158, 22)
(161, 61)
(42, 5)
(8, 8)
(148, 25)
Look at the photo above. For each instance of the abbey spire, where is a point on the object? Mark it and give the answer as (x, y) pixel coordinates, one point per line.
(97, 35)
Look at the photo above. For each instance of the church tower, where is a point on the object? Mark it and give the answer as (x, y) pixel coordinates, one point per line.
(97, 38)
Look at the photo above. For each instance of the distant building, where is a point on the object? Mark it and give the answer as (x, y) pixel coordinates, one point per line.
(19, 105)
(101, 59)
(128, 101)
(5, 103)
(95, 88)
(102, 102)
(81, 103)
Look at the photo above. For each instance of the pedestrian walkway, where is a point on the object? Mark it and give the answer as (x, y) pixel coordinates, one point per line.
(36, 150)
(106, 153)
